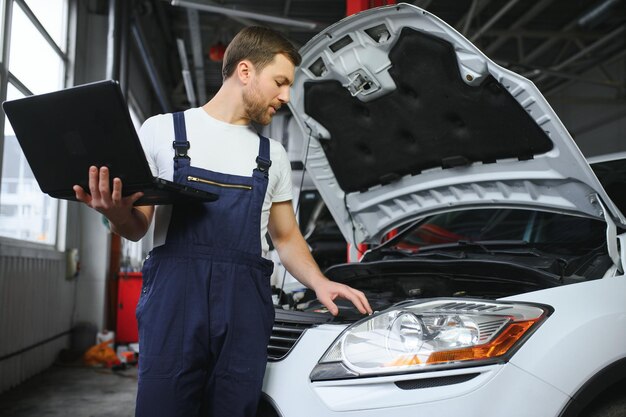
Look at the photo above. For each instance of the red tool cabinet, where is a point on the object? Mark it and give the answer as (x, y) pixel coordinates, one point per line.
(128, 292)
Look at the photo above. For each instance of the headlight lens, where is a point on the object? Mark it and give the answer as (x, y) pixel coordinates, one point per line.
(426, 334)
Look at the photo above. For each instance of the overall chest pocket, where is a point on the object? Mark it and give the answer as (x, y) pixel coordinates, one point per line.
(191, 178)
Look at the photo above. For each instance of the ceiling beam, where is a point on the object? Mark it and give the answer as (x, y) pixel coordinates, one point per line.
(493, 20)
(619, 31)
(597, 14)
(537, 52)
(238, 19)
(600, 67)
(469, 16)
(576, 77)
(544, 34)
(559, 57)
(479, 8)
(150, 66)
(286, 21)
(534, 11)
(609, 61)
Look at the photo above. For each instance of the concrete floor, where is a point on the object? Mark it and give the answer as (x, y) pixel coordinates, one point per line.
(73, 390)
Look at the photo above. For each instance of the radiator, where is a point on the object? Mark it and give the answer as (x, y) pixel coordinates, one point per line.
(36, 303)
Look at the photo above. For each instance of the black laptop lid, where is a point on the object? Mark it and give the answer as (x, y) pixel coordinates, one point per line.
(65, 132)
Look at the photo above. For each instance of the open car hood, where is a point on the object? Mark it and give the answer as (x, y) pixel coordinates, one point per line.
(404, 118)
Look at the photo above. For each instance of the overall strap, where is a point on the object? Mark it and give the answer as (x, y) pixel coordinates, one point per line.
(181, 144)
(263, 161)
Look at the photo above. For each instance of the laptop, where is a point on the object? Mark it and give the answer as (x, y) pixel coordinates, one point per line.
(65, 132)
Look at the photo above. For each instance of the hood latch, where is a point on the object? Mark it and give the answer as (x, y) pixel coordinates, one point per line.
(360, 83)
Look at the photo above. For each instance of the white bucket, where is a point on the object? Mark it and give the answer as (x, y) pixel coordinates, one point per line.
(105, 336)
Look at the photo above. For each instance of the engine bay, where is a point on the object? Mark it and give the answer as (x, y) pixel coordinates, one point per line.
(387, 283)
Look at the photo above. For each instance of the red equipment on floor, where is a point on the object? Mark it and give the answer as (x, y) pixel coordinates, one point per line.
(129, 290)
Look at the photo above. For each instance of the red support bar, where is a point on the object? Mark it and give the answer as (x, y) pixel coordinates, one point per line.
(391, 234)
(355, 6)
(360, 249)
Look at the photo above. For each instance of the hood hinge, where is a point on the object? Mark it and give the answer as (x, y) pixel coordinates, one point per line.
(617, 253)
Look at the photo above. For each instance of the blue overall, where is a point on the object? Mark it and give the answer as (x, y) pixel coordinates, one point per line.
(205, 313)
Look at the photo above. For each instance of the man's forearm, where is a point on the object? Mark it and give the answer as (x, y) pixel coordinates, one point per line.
(133, 227)
(298, 260)
(294, 253)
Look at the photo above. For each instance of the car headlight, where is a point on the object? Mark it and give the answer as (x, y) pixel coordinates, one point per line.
(429, 334)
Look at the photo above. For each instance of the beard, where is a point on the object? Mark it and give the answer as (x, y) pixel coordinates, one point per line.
(255, 107)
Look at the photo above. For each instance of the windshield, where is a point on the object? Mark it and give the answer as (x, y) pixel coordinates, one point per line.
(554, 232)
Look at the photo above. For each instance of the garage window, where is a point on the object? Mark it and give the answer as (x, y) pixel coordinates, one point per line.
(35, 62)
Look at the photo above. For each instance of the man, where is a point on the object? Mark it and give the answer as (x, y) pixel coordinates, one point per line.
(205, 313)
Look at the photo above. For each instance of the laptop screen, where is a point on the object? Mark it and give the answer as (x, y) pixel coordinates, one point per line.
(65, 132)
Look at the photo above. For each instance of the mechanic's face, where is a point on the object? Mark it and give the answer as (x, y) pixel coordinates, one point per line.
(268, 90)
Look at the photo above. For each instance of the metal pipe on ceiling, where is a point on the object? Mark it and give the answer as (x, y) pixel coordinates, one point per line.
(493, 20)
(304, 24)
(560, 74)
(245, 22)
(546, 45)
(480, 5)
(597, 14)
(187, 81)
(153, 74)
(619, 31)
(555, 89)
(535, 10)
(543, 34)
(468, 19)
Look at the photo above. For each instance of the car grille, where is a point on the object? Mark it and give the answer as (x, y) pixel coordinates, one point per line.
(287, 329)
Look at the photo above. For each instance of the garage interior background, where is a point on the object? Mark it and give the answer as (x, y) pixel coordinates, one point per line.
(573, 50)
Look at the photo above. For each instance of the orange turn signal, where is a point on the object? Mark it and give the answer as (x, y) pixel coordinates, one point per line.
(498, 347)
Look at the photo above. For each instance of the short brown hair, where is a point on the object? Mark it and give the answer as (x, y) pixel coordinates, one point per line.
(259, 45)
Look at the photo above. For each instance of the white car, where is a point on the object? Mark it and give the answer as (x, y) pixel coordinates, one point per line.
(502, 293)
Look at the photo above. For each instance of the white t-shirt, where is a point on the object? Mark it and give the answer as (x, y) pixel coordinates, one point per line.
(219, 147)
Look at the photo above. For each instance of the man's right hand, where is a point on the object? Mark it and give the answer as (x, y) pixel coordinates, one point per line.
(116, 208)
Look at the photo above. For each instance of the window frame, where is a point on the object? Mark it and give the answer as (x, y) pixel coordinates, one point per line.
(6, 77)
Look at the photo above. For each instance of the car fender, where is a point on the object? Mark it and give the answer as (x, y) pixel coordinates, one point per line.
(584, 336)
